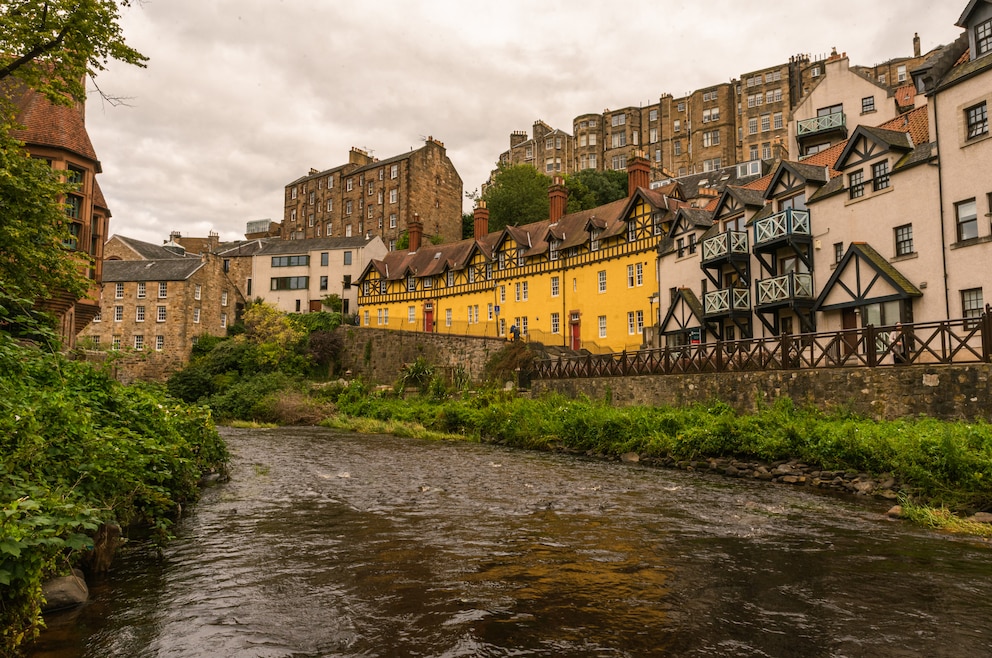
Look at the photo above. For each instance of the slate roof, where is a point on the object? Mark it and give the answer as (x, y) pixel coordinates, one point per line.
(172, 269)
(279, 246)
(149, 251)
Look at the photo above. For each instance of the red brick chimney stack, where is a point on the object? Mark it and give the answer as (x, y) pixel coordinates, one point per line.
(558, 197)
(415, 229)
(481, 216)
(638, 173)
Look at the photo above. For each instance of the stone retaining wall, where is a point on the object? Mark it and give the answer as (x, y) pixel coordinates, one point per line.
(951, 392)
(378, 355)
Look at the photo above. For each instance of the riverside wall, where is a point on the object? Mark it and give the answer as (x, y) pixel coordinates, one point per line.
(379, 355)
(950, 392)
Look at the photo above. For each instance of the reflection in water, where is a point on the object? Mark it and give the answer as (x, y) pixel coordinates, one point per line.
(329, 544)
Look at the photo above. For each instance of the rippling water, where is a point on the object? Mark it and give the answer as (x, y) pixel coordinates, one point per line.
(331, 544)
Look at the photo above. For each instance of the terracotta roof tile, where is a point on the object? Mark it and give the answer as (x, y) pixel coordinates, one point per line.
(46, 124)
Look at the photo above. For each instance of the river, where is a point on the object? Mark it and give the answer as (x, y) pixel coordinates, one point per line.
(333, 544)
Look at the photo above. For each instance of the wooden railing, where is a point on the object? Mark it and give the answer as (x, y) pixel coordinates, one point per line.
(819, 124)
(946, 342)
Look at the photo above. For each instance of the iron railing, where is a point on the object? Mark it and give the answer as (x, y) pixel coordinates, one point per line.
(967, 340)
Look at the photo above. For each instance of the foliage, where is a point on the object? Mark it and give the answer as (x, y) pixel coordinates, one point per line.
(334, 302)
(503, 365)
(78, 449)
(416, 375)
(53, 45)
(518, 195)
(324, 348)
(468, 225)
(274, 335)
(403, 241)
(590, 188)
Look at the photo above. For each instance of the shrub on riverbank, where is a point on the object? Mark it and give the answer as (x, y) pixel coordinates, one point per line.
(938, 462)
(78, 449)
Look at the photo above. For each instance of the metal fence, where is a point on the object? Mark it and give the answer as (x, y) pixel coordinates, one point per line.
(967, 340)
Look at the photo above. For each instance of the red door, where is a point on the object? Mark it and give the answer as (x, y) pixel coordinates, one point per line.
(576, 341)
(429, 317)
(849, 322)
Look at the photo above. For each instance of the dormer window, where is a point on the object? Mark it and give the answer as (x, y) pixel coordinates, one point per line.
(553, 249)
(983, 38)
(594, 239)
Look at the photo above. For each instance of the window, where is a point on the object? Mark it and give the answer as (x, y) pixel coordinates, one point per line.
(118, 314)
(139, 314)
(516, 294)
(856, 184)
(349, 185)
(555, 289)
(347, 258)
(619, 119)
(838, 251)
(348, 206)
(630, 276)
(967, 220)
(653, 115)
(867, 104)
(711, 138)
(978, 120)
(602, 280)
(681, 106)
(555, 323)
(904, 239)
(447, 317)
(139, 342)
(639, 274)
(411, 314)
(223, 320)
(631, 323)
(115, 343)
(159, 343)
(972, 305)
(815, 73)
(196, 315)
(766, 122)
(880, 176)
(983, 37)
(281, 261)
(901, 73)
(394, 196)
(640, 322)
(677, 147)
(502, 294)
(142, 290)
(323, 283)
(489, 311)
(197, 291)
(330, 205)
(385, 316)
(752, 126)
(160, 314)
(524, 290)
(394, 171)
(677, 126)
(365, 318)
(289, 283)
(602, 326)
(411, 283)
(777, 121)
(119, 291)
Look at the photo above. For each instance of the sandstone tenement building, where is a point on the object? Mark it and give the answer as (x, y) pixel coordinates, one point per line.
(368, 196)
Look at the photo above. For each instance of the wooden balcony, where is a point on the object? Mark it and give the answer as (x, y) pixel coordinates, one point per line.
(829, 125)
(727, 246)
(726, 303)
(786, 290)
(788, 226)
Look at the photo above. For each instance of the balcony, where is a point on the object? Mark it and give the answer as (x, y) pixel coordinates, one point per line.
(785, 290)
(727, 246)
(789, 226)
(726, 302)
(828, 125)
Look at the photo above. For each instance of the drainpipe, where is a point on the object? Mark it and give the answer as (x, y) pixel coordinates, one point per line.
(940, 197)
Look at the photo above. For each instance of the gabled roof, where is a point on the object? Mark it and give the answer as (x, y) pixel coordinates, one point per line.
(172, 269)
(891, 140)
(863, 275)
(149, 251)
(966, 14)
(685, 299)
(278, 246)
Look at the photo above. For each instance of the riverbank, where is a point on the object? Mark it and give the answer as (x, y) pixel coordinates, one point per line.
(938, 472)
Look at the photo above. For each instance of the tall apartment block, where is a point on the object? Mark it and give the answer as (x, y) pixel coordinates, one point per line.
(368, 196)
(549, 150)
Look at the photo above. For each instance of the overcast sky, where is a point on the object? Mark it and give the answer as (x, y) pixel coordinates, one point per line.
(241, 97)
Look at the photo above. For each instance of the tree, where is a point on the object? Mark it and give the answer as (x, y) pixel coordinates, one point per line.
(54, 45)
(49, 46)
(590, 188)
(518, 195)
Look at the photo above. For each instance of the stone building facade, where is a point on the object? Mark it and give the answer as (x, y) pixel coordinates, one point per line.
(377, 197)
(160, 299)
(549, 150)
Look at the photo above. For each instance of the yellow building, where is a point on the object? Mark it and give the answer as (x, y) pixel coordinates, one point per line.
(584, 280)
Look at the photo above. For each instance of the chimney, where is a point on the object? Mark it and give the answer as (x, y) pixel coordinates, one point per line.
(415, 230)
(916, 44)
(638, 173)
(174, 236)
(558, 197)
(481, 216)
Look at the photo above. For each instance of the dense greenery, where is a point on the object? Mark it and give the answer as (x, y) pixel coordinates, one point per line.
(519, 194)
(77, 449)
(250, 376)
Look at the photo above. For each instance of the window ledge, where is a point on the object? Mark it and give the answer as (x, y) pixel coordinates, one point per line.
(972, 241)
(910, 256)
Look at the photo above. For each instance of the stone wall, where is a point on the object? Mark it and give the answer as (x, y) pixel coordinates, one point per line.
(950, 392)
(378, 355)
(131, 367)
